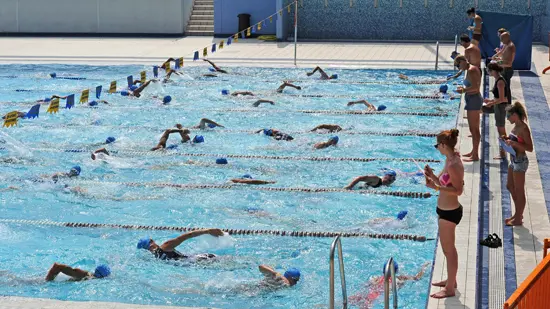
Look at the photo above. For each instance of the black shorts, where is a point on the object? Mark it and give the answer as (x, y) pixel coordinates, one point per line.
(453, 216)
(477, 36)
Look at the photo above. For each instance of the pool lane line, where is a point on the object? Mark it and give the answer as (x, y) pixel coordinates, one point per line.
(421, 195)
(288, 158)
(418, 238)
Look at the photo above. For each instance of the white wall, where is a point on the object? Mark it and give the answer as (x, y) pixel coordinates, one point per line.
(94, 16)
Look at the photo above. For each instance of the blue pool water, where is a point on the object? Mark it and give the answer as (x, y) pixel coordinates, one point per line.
(40, 146)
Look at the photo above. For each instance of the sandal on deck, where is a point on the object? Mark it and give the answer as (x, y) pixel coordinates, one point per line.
(492, 241)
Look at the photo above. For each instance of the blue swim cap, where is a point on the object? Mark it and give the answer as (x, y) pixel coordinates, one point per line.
(211, 70)
(335, 139)
(467, 83)
(167, 99)
(225, 92)
(93, 103)
(221, 161)
(381, 108)
(109, 140)
(47, 99)
(395, 267)
(268, 132)
(144, 243)
(124, 93)
(133, 87)
(247, 176)
(450, 75)
(402, 214)
(419, 174)
(334, 76)
(390, 173)
(77, 169)
(292, 273)
(211, 125)
(443, 88)
(102, 271)
(53, 75)
(198, 139)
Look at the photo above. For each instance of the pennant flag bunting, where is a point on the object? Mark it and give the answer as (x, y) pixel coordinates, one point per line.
(97, 91)
(196, 56)
(229, 41)
(288, 7)
(260, 26)
(248, 31)
(54, 106)
(33, 112)
(180, 62)
(11, 119)
(281, 13)
(167, 66)
(244, 34)
(130, 80)
(236, 38)
(70, 101)
(84, 96)
(143, 76)
(271, 19)
(221, 45)
(112, 88)
(214, 48)
(155, 71)
(177, 66)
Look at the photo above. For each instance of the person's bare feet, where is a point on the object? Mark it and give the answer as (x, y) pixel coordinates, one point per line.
(442, 284)
(513, 222)
(471, 159)
(469, 154)
(443, 294)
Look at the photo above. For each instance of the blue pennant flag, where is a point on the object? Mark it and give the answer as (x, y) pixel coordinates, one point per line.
(229, 41)
(254, 29)
(98, 91)
(214, 47)
(177, 66)
(196, 56)
(156, 71)
(70, 101)
(130, 80)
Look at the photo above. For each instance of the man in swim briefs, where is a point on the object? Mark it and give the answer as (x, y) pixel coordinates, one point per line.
(77, 274)
(324, 76)
(167, 250)
(475, 27)
(184, 133)
(374, 181)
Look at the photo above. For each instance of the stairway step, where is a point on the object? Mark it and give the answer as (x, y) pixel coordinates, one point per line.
(200, 27)
(203, 7)
(201, 17)
(204, 2)
(200, 22)
(199, 33)
(203, 12)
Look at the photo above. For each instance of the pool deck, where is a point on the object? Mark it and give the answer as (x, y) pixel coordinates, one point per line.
(486, 277)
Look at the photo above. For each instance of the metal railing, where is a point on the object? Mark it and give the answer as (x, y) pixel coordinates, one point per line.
(436, 54)
(337, 242)
(389, 272)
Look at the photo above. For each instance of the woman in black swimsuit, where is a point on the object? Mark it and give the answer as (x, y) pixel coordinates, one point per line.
(167, 251)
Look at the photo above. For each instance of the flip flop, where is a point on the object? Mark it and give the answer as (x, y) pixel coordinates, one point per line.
(497, 240)
(489, 241)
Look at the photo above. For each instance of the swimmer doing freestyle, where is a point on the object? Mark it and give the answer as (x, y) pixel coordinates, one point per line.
(167, 250)
(184, 133)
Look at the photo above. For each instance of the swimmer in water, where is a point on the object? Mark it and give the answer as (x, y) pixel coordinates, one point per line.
(273, 279)
(217, 68)
(137, 92)
(100, 154)
(257, 103)
(165, 64)
(333, 141)
(77, 274)
(403, 77)
(287, 84)
(248, 180)
(375, 287)
(374, 181)
(96, 102)
(399, 218)
(276, 134)
(370, 107)
(205, 122)
(169, 74)
(73, 172)
(48, 100)
(184, 133)
(324, 76)
(167, 251)
(242, 93)
(329, 127)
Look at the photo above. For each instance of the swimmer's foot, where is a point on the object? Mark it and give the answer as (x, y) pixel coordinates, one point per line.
(469, 154)
(442, 284)
(443, 294)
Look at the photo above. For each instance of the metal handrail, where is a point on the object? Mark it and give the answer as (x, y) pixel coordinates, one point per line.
(436, 54)
(338, 242)
(456, 49)
(389, 272)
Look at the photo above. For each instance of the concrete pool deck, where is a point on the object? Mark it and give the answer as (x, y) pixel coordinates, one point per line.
(486, 276)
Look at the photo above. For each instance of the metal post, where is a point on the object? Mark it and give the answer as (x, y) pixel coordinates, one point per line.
(436, 54)
(295, 30)
(389, 273)
(456, 48)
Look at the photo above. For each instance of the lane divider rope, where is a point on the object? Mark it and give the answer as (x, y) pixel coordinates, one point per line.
(418, 238)
(422, 195)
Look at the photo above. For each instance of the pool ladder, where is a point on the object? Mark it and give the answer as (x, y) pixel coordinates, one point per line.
(389, 272)
(337, 243)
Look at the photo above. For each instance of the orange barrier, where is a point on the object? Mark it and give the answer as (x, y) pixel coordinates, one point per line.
(534, 292)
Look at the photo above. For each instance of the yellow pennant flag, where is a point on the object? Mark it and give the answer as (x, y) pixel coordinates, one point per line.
(281, 13)
(54, 106)
(259, 26)
(271, 19)
(288, 7)
(11, 119)
(248, 31)
(112, 88)
(221, 45)
(167, 66)
(143, 76)
(236, 38)
(84, 96)
(205, 52)
(180, 62)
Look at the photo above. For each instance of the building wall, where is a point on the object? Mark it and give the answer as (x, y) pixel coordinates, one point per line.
(94, 16)
(545, 27)
(226, 11)
(388, 21)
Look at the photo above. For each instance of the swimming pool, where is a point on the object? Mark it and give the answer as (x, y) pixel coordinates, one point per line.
(48, 144)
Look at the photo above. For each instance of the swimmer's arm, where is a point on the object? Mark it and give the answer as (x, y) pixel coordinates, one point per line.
(140, 89)
(171, 244)
(257, 103)
(417, 276)
(75, 273)
(55, 96)
(252, 181)
(361, 178)
(457, 75)
(268, 271)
